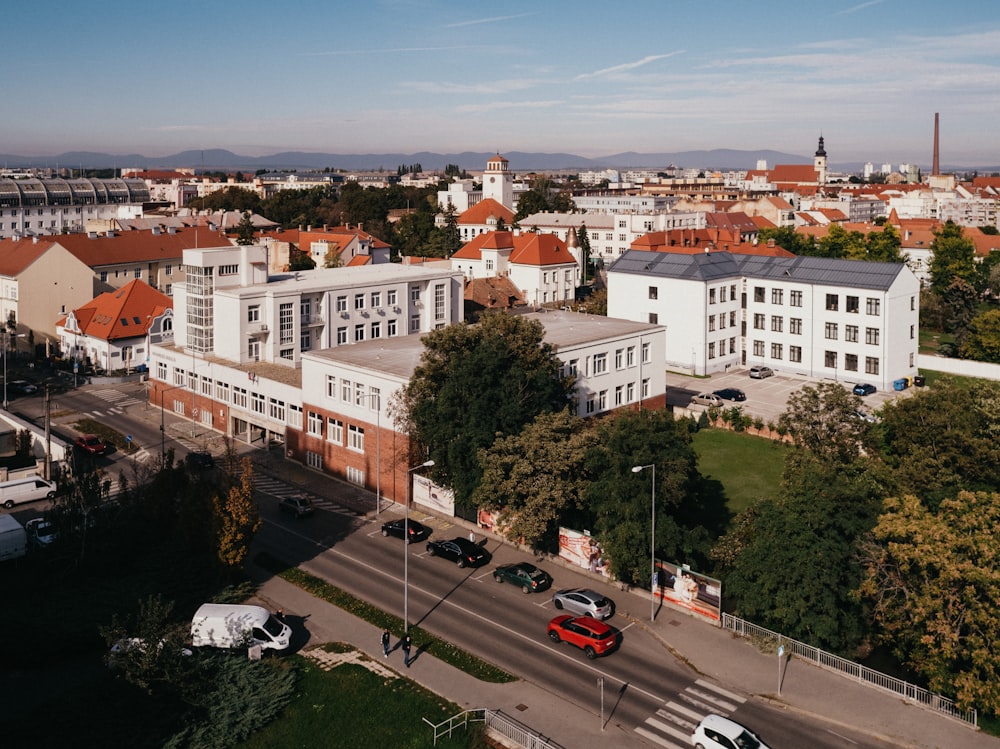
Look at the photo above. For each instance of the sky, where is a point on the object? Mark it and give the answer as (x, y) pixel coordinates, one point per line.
(583, 77)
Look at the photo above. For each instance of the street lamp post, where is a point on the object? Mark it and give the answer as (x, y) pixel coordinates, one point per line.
(406, 546)
(652, 541)
(163, 432)
(6, 343)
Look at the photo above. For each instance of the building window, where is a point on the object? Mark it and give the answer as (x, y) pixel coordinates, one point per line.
(415, 323)
(711, 296)
(359, 394)
(647, 352)
(376, 299)
(619, 358)
(873, 305)
(911, 332)
(653, 292)
(169, 270)
(355, 475)
(832, 302)
(722, 320)
(851, 333)
(619, 394)
(240, 397)
(341, 336)
(852, 305)
(795, 298)
(758, 348)
(286, 323)
(600, 363)
(795, 325)
(390, 297)
(851, 362)
(722, 293)
(341, 304)
(795, 353)
(913, 303)
(602, 400)
(375, 398)
(871, 365)
(359, 301)
(356, 438)
(871, 336)
(711, 323)
(758, 294)
(331, 387)
(830, 330)
(359, 333)
(777, 323)
(305, 341)
(161, 371)
(732, 345)
(775, 350)
(314, 425)
(439, 308)
(732, 319)
(276, 409)
(758, 321)
(590, 405)
(414, 294)
(376, 330)
(294, 416)
(287, 353)
(253, 313)
(630, 356)
(390, 328)
(654, 318)
(571, 368)
(314, 460)
(629, 392)
(732, 292)
(335, 431)
(711, 350)
(830, 359)
(776, 296)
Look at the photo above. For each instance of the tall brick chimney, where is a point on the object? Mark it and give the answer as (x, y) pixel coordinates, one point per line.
(936, 166)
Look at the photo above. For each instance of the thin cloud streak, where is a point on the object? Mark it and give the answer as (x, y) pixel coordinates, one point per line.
(856, 8)
(382, 50)
(628, 65)
(494, 19)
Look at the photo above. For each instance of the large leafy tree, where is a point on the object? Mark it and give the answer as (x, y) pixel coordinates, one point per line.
(982, 338)
(953, 257)
(787, 238)
(537, 478)
(884, 246)
(823, 420)
(621, 502)
(933, 579)
(237, 518)
(476, 383)
(840, 243)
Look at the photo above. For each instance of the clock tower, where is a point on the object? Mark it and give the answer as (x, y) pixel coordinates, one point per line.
(498, 182)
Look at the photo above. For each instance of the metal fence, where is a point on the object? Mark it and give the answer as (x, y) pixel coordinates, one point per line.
(856, 671)
(510, 730)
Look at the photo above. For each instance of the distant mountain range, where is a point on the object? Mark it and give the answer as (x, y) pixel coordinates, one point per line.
(217, 159)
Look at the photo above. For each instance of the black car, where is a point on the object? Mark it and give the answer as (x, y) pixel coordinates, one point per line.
(200, 461)
(418, 531)
(461, 551)
(731, 394)
(297, 506)
(864, 388)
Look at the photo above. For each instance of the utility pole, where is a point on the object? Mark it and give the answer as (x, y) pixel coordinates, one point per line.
(48, 434)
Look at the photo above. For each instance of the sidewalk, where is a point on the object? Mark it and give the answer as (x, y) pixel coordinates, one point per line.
(708, 650)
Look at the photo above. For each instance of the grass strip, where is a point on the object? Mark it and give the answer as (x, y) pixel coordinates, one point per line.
(445, 651)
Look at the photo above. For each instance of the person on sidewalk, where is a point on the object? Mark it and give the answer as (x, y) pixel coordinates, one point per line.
(407, 642)
(385, 643)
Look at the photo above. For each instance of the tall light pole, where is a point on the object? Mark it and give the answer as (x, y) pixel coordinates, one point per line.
(652, 542)
(163, 433)
(406, 546)
(6, 342)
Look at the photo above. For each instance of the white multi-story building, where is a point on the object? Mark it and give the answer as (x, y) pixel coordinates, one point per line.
(36, 207)
(819, 317)
(620, 203)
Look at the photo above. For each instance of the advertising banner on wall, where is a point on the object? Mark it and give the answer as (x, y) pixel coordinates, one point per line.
(582, 550)
(432, 496)
(697, 593)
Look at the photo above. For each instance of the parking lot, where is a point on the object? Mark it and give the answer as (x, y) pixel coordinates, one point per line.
(766, 398)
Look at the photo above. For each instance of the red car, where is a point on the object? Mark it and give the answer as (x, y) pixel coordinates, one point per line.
(91, 443)
(593, 636)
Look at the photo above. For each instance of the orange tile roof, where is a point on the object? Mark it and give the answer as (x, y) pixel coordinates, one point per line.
(135, 246)
(359, 260)
(481, 212)
(526, 249)
(793, 173)
(123, 313)
(697, 241)
(16, 255)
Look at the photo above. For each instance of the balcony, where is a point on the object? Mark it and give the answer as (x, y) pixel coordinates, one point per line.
(257, 328)
(312, 321)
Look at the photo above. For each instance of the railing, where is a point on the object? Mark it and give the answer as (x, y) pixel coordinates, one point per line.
(497, 723)
(856, 671)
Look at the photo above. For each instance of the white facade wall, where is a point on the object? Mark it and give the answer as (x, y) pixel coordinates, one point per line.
(546, 283)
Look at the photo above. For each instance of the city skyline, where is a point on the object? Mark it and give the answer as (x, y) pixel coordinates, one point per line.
(423, 75)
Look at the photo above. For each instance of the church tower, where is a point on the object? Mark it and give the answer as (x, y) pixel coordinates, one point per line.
(819, 163)
(498, 182)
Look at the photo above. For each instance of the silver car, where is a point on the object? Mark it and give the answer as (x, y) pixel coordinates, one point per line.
(707, 399)
(584, 602)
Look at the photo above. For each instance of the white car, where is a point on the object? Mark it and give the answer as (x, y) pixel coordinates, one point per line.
(41, 533)
(716, 732)
(759, 373)
(584, 602)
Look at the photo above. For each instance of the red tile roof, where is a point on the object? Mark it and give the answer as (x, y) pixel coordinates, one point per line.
(123, 313)
(16, 255)
(481, 212)
(525, 249)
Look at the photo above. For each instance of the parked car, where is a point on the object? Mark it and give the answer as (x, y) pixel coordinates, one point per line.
(584, 602)
(866, 416)
(707, 399)
(297, 506)
(731, 394)
(91, 443)
(41, 533)
(759, 373)
(715, 731)
(200, 461)
(461, 551)
(21, 387)
(585, 632)
(525, 575)
(418, 531)
(863, 389)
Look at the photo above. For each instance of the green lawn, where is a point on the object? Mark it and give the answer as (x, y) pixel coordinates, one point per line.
(351, 706)
(748, 467)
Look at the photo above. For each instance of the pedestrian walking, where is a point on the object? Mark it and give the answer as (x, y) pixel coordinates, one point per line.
(385, 643)
(407, 642)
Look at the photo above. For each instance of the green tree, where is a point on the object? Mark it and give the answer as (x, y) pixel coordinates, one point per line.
(597, 302)
(583, 242)
(960, 303)
(953, 257)
(301, 261)
(840, 243)
(787, 238)
(933, 580)
(884, 246)
(245, 230)
(823, 420)
(982, 339)
(620, 501)
(537, 478)
(237, 519)
(476, 383)
(445, 240)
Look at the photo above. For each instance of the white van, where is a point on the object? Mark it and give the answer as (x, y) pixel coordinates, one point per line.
(223, 625)
(26, 489)
(13, 538)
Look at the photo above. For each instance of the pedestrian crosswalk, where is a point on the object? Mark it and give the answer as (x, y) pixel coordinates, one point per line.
(281, 490)
(671, 726)
(117, 401)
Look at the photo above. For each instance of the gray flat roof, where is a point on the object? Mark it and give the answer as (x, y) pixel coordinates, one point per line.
(563, 328)
(397, 356)
(362, 276)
